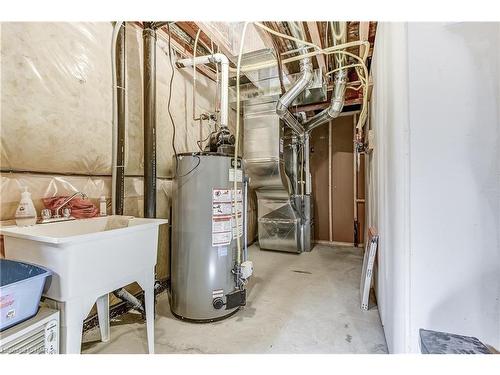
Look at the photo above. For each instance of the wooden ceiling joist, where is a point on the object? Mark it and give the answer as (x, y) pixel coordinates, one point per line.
(185, 50)
(191, 29)
(316, 39)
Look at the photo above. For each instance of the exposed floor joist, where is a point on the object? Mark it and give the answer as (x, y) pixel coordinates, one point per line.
(316, 39)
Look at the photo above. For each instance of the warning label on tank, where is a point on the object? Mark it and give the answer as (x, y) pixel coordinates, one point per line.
(239, 175)
(223, 211)
(221, 224)
(238, 233)
(221, 208)
(221, 195)
(223, 238)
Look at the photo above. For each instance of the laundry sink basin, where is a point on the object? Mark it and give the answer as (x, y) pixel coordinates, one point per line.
(84, 253)
(89, 258)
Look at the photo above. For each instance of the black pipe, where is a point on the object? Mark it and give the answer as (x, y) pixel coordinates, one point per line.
(120, 150)
(149, 87)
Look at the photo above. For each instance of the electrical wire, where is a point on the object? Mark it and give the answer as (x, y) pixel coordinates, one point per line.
(343, 67)
(337, 49)
(170, 100)
(200, 142)
(192, 169)
(194, 72)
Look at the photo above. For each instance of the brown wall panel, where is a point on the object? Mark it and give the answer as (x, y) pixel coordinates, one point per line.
(319, 174)
(342, 183)
(342, 179)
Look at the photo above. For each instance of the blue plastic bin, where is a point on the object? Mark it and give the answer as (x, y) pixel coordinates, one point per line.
(21, 287)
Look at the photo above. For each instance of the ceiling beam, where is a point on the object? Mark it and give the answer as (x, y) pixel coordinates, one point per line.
(184, 50)
(316, 39)
(203, 40)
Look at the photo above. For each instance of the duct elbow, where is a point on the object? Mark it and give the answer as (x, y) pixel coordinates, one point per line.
(336, 107)
(281, 109)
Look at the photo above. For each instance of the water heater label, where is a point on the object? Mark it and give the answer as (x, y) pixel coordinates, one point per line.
(221, 195)
(222, 251)
(218, 293)
(239, 175)
(223, 238)
(238, 233)
(223, 223)
(221, 209)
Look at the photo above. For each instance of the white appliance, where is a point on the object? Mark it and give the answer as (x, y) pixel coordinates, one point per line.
(38, 335)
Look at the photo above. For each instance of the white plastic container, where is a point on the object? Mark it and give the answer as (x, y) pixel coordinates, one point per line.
(102, 206)
(26, 212)
(21, 287)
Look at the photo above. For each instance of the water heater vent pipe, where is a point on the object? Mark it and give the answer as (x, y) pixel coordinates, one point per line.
(216, 58)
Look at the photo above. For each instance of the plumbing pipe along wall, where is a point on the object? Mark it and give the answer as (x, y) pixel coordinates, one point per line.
(120, 134)
(149, 85)
(217, 58)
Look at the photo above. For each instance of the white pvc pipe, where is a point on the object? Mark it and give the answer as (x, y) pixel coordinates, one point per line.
(217, 58)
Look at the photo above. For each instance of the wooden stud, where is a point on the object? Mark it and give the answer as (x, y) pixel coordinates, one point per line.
(330, 187)
(364, 32)
(316, 39)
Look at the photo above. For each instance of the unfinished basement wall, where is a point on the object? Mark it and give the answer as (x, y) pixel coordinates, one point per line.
(56, 116)
(442, 138)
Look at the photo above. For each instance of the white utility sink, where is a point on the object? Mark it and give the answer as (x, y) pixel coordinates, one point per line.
(89, 259)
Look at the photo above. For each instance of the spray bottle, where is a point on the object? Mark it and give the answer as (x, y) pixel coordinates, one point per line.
(26, 212)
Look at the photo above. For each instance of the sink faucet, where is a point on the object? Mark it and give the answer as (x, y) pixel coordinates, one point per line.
(66, 201)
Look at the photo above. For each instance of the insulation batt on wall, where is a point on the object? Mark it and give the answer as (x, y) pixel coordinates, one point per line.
(56, 114)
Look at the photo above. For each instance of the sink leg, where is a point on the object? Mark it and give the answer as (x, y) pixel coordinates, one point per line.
(71, 338)
(149, 296)
(103, 316)
(73, 313)
(148, 283)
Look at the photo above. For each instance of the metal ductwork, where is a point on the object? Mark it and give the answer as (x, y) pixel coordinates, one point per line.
(306, 69)
(339, 36)
(276, 153)
(276, 159)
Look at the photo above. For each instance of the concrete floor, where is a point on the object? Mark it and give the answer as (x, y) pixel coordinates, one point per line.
(307, 303)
